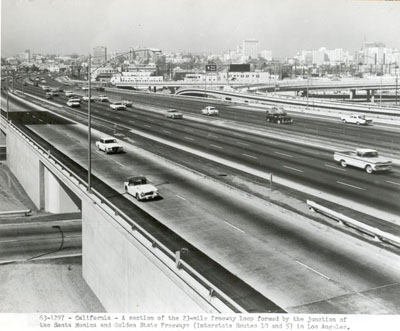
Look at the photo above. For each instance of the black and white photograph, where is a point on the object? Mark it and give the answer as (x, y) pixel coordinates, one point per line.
(199, 164)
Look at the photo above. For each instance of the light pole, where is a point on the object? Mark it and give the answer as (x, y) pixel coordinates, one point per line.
(397, 77)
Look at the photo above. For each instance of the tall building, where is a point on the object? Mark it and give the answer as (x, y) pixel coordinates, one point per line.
(99, 55)
(373, 53)
(250, 48)
(266, 55)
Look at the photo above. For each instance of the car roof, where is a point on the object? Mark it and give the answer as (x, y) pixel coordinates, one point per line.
(366, 150)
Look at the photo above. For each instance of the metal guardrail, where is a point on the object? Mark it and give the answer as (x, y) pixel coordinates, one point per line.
(376, 233)
(180, 264)
(25, 212)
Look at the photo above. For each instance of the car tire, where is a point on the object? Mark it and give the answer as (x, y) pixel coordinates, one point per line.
(358, 123)
(344, 121)
(343, 163)
(368, 169)
(137, 197)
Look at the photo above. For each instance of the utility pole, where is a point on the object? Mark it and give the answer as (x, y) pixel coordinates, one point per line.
(89, 188)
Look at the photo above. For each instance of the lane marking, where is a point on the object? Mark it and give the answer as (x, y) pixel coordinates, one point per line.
(166, 131)
(333, 167)
(212, 135)
(298, 170)
(253, 157)
(283, 154)
(147, 126)
(216, 146)
(311, 152)
(236, 228)
(388, 181)
(180, 197)
(240, 143)
(188, 138)
(358, 188)
(313, 270)
(122, 165)
(131, 121)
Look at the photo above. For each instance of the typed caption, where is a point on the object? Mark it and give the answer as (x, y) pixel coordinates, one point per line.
(313, 322)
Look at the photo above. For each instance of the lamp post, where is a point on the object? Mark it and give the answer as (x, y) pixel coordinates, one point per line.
(397, 78)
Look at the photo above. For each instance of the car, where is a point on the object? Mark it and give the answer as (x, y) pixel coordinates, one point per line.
(278, 115)
(49, 95)
(75, 96)
(356, 119)
(210, 111)
(117, 106)
(141, 188)
(86, 98)
(127, 103)
(109, 145)
(99, 88)
(43, 81)
(173, 113)
(68, 93)
(72, 102)
(103, 98)
(54, 92)
(85, 88)
(46, 88)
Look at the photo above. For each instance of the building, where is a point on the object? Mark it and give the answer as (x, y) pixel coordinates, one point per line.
(250, 48)
(99, 55)
(266, 55)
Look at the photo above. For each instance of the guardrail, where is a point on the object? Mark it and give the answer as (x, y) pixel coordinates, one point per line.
(152, 243)
(376, 233)
(25, 212)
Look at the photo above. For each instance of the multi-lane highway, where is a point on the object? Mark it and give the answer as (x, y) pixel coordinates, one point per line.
(240, 141)
(251, 238)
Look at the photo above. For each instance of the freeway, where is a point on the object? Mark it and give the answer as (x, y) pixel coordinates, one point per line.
(21, 240)
(306, 165)
(275, 251)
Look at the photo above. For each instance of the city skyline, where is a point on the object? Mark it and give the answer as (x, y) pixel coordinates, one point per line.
(285, 27)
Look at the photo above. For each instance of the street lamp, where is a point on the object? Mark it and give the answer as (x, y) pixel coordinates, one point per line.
(397, 78)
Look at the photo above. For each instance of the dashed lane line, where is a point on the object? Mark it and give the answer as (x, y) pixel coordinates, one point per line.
(356, 187)
(313, 270)
(251, 156)
(283, 154)
(236, 228)
(216, 146)
(333, 167)
(298, 170)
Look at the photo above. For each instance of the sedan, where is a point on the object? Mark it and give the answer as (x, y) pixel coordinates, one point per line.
(118, 106)
(173, 113)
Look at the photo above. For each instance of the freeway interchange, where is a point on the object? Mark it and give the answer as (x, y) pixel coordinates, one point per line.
(255, 241)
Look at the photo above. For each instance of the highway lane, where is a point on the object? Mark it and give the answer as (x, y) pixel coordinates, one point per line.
(374, 136)
(279, 254)
(309, 166)
(305, 126)
(30, 240)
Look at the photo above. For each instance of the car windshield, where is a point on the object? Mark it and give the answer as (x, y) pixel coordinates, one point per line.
(371, 154)
(362, 117)
(138, 181)
(110, 141)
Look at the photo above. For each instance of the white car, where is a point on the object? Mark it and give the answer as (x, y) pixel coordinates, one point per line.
(86, 98)
(68, 93)
(73, 102)
(210, 111)
(103, 98)
(173, 113)
(127, 103)
(356, 119)
(118, 106)
(109, 145)
(140, 188)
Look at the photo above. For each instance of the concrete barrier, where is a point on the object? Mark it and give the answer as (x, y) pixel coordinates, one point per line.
(376, 233)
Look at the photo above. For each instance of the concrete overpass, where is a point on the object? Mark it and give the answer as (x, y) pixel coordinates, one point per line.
(131, 262)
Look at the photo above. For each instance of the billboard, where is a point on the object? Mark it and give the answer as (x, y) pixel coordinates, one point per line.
(239, 67)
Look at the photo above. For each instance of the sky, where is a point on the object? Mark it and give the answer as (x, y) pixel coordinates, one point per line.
(207, 26)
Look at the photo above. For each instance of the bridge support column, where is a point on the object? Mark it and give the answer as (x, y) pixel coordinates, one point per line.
(371, 95)
(352, 94)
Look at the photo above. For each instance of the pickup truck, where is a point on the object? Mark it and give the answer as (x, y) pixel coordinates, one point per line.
(140, 188)
(109, 145)
(364, 158)
(210, 111)
(356, 119)
(278, 115)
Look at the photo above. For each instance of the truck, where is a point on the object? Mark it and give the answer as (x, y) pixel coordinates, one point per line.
(141, 188)
(356, 119)
(278, 115)
(109, 145)
(364, 158)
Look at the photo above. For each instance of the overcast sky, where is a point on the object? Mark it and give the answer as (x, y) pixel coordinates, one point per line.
(212, 26)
